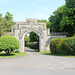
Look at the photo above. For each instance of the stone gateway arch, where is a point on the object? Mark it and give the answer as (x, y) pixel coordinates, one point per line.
(31, 25)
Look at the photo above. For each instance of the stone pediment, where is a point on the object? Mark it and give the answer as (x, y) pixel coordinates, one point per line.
(30, 22)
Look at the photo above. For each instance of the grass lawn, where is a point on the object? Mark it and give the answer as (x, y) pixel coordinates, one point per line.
(12, 55)
(36, 50)
(49, 53)
(45, 52)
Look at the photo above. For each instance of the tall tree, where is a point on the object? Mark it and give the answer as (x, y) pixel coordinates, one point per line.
(33, 37)
(47, 22)
(6, 23)
(10, 22)
(55, 19)
(68, 20)
(3, 26)
(63, 19)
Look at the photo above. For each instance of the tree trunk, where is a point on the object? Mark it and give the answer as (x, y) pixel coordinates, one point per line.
(8, 52)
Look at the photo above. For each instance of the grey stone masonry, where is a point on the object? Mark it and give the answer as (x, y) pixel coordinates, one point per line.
(31, 25)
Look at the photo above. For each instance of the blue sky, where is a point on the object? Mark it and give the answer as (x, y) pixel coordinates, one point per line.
(22, 9)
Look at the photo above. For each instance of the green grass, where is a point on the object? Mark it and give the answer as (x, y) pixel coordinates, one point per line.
(49, 53)
(36, 50)
(12, 55)
(45, 52)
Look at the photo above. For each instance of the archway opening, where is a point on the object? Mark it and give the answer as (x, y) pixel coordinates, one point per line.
(32, 41)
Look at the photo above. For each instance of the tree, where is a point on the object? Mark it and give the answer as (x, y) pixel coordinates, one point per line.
(9, 16)
(10, 22)
(41, 20)
(70, 3)
(63, 19)
(55, 19)
(68, 20)
(3, 26)
(33, 37)
(47, 23)
(27, 39)
(6, 23)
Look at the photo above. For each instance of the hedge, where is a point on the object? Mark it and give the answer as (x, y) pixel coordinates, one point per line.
(32, 45)
(63, 46)
(8, 44)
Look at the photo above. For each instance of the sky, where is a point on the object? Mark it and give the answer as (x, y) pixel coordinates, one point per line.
(22, 9)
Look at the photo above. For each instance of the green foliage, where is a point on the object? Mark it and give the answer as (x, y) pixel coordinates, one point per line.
(63, 46)
(33, 37)
(41, 20)
(2, 25)
(63, 19)
(9, 16)
(70, 3)
(8, 44)
(12, 55)
(16, 51)
(56, 18)
(27, 39)
(47, 23)
(6, 23)
(10, 22)
(33, 41)
(45, 52)
(32, 45)
(69, 16)
(53, 45)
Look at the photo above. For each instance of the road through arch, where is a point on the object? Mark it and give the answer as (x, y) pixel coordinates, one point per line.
(31, 25)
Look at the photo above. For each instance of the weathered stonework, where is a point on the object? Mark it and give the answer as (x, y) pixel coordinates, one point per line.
(31, 25)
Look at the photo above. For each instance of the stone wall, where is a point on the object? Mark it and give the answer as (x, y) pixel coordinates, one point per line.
(55, 35)
(58, 35)
(31, 25)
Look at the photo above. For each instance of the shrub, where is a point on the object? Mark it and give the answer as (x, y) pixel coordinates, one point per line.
(71, 43)
(63, 46)
(53, 45)
(8, 44)
(32, 45)
(16, 51)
